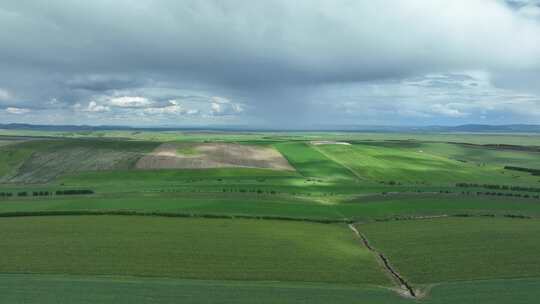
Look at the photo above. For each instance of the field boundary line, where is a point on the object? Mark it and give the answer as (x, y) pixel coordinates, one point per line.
(404, 285)
(343, 220)
(169, 214)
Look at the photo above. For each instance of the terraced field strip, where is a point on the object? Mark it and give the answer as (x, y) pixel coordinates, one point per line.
(386, 263)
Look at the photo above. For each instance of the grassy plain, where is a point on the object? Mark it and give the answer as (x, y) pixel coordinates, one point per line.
(220, 136)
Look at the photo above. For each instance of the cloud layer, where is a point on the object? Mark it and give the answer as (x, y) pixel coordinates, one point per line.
(270, 63)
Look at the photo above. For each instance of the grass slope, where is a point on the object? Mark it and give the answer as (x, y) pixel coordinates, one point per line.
(186, 248)
(408, 165)
(458, 249)
(484, 155)
(311, 163)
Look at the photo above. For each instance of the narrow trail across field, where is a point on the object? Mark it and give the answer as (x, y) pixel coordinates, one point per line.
(360, 177)
(404, 285)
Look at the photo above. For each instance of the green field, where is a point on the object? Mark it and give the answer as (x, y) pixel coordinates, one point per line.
(484, 155)
(256, 205)
(458, 249)
(45, 289)
(186, 248)
(311, 163)
(247, 235)
(401, 163)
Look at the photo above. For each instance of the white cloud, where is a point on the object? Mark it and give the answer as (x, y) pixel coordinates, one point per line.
(17, 111)
(171, 110)
(130, 102)
(92, 106)
(216, 108)
(220, 100)
(4, 95)
(447, 110)
(174, 107)
(222, 106)
(95, 107)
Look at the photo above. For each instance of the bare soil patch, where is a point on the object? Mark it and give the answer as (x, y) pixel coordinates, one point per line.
(329, 142)
(213, 155)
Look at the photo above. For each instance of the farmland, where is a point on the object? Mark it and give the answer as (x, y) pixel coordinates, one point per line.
(223, 217)
(170, 247)
(42, 160)
(472, 248)
(201, 156)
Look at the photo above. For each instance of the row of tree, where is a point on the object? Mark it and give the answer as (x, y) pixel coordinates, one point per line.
(47, 193)
(498, 187)
(493, 193)
(535, 172)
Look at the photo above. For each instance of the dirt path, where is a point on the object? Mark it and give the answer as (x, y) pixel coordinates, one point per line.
(407, 289)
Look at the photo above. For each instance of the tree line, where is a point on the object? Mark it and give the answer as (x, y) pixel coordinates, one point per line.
(498, 187)
(47, 193)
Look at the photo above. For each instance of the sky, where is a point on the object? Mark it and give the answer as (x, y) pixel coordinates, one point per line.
(272, 64)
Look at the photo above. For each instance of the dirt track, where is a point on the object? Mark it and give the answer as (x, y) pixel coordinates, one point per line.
(213, 155)
(404, 285)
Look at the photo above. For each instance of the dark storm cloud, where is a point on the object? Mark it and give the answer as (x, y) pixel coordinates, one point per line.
(272, 59)
(100, 83)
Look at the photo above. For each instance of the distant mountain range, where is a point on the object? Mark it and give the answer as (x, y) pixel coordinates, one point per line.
(515, 128)
(468, 128)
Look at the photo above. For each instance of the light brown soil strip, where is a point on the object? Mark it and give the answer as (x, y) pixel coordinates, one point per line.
(214, 155)
(397, 277)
